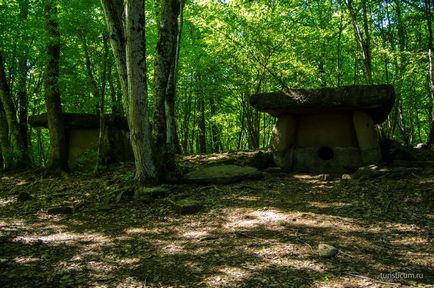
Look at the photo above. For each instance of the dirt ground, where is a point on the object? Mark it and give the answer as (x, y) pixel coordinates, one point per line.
(256, 233)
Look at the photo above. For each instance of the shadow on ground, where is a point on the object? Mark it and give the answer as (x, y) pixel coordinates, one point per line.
(261, 233)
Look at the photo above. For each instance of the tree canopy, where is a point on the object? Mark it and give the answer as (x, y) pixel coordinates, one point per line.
(228, 50)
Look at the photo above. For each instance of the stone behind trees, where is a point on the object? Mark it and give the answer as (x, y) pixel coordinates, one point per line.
(326, 129)
(222, 174)
(82, 135)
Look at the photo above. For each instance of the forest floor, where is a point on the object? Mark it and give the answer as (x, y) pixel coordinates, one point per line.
(255, 233)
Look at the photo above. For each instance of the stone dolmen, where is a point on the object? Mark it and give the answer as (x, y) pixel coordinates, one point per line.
(326, 129)
(82, 134)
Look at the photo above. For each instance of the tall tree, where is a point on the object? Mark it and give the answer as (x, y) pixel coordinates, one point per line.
(128, 45)
(165, 85)
(362, 37)
(173, 145)
(428, 11)
(22, 72)
(58, 157)
(18, 153)
(4, 139)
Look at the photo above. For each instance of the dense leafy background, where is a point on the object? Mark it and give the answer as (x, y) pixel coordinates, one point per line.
(230, 50)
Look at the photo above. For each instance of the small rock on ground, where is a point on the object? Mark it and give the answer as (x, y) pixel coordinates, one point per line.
(187, 206)
(327, 251)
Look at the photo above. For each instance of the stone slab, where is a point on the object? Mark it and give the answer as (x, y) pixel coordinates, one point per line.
(222, 174)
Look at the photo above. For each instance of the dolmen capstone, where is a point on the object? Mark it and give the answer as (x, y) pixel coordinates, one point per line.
(82, 135)
(326, 129)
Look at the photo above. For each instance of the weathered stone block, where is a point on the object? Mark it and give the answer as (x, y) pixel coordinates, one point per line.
(366, 137)
(326, 129)
(283, 134)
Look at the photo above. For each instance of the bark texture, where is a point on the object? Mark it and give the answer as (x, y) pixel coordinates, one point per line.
(165, 86)
(4, 139)
(137, 92)
(22, 74)
(114, 14)
(18, 156)
(58, 156)
(428, 5)
(362, 38)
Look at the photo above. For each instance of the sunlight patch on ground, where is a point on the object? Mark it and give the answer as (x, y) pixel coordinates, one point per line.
(129, 261)
(129, 282)
(172, 249)
(26, 260)
(64, 237)
(22, 182)
(143, 230)
(284, 255)
(101, 266)
(6, 201)
(249, 198)
(195, 234)
(249, 218)
(402, 228)
(410, 241)
(227, 276)
(328, 204)
(329, 282)
(274, 219)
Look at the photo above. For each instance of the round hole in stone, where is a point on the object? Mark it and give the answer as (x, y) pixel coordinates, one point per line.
(325, 153)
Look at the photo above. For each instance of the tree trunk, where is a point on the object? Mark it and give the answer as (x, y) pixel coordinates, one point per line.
(165, 85)
(114, 14)
(128, 46)
(90, 74)
(22, 74)
(428, 3)
(19, 157)
(363, 40)
(173, 145)
(201, 125)
(215, 128)
(186, 121)
(137, 92)
(58, 157)
(338, 52)
(4, 139)
(116, 101)
(103, 142)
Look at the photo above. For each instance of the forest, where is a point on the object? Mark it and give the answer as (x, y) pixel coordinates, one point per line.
(146, 143)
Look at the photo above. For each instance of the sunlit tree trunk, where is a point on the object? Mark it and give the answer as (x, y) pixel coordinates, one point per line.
(165, 86)
(115, 17)
(126, 30)
(137, 92)
(201, 125)
(173, 145)
(58, 157)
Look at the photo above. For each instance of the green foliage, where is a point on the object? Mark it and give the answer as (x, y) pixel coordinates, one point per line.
(229, 51)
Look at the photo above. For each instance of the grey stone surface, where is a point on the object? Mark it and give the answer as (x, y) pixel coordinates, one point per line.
(187, 206)
(376, 100)
(222, 174)
(327, 251)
